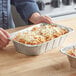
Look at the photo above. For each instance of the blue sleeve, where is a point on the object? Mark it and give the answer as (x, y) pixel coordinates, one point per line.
(26, 8)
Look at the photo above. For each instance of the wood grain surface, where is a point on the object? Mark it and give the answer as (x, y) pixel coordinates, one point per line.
(52, 63)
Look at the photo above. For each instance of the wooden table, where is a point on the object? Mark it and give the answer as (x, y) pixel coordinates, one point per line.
(52, 63)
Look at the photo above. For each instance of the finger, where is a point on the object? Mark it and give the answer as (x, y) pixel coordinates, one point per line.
(5, 32)
(46, 19)
(3, 37)
(2, 44)
(1, 47)
(49, 18)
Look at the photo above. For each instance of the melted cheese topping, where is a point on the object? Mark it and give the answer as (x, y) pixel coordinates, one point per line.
(39, 35)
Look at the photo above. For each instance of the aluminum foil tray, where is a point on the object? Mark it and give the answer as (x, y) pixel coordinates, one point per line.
(41, 48)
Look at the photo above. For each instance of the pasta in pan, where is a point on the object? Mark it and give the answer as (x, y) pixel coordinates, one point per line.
(38, 35)
(72, 52)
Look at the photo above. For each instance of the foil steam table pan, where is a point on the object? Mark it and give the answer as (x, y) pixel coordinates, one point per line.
(40, 48)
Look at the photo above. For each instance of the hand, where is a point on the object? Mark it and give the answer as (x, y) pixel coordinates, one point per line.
(37, 18)
(3, 38)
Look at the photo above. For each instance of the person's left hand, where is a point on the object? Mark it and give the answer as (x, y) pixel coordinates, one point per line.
(37, 18)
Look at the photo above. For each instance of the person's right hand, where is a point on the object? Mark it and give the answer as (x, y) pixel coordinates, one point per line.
(3, 38)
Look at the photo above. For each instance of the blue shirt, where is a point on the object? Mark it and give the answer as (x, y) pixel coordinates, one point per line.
(24, 7)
